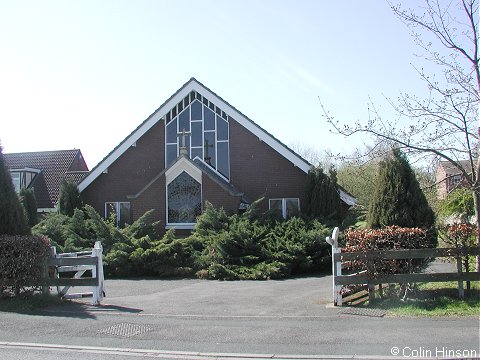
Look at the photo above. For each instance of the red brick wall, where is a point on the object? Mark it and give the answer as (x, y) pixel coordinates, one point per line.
(134, 169)
(218, 196)
(152, 198)
(258, 170)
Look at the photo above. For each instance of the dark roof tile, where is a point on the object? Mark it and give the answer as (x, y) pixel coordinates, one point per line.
(54, 167)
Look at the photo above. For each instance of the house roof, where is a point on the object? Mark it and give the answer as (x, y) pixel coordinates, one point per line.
(451, 169)
(160, 113)
(52, 168)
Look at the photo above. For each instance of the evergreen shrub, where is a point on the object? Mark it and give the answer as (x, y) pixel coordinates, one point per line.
(398, 199)
(12, 215)
(29, 202)
(21, 262)
(251, 245)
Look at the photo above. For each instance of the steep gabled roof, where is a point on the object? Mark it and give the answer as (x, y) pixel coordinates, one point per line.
(160, 113)
(52, 168)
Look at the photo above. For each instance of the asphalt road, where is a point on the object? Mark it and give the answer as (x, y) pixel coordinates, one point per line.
(205, 319)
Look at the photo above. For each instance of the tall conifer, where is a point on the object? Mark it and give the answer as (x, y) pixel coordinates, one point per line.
(69, 198)
(398, 198)
(322, 199)
(12, 216)
(29, 202)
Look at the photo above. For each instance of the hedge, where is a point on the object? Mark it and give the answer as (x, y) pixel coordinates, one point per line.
(21, 262)
(389, 238)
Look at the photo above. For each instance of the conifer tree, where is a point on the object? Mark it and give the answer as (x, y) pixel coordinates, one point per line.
(322, 199)
(29, 202)
(12, 216)
(69, 199)
(398, 198)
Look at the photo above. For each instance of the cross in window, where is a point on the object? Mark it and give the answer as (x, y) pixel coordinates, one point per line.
(207, 157)
(183, 134)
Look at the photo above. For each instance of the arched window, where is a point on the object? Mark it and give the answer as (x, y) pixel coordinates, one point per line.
(184, 199)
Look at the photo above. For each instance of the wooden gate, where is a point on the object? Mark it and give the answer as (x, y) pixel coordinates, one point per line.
(78, 263)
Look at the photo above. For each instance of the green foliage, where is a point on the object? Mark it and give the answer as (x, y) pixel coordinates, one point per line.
(322, 199)
(69, 198)
(359, 180)
(398, 199)
(21, 262)
(78, 232)
(12, 216)
(459, 202)
(29, 202)
(252, 245)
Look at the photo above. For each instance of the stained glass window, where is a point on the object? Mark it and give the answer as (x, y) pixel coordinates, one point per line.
(209, 137)
(184, 199)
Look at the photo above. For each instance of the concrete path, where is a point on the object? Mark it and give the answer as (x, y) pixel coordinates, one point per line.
(214, 319)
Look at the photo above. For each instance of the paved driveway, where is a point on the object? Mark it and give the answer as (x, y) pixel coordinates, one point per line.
(293, 297)
(202, 319)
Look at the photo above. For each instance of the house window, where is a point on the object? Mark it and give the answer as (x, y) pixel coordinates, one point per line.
(286, 207)
(22, 178)
(208, 133)
(16, 181)
(119, 212)
(184, 200)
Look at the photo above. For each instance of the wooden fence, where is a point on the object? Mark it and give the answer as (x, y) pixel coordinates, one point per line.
(370, 280)
(78, 263)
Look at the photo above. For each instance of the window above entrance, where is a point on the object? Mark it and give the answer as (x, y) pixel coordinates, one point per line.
(203, 129)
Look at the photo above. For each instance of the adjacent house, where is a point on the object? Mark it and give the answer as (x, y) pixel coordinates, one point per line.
(450, 178)
(194, 148)
(44, 171)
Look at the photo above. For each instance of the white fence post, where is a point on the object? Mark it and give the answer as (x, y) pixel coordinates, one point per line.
(336, 267)
(97, 272)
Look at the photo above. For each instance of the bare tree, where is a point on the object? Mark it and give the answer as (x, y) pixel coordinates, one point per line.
(313, 155)
(443, 124)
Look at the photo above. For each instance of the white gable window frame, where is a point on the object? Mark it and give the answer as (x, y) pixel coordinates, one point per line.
(121, 209)
(180, 167)
(22, 178)
(207, 129)
(287, 206)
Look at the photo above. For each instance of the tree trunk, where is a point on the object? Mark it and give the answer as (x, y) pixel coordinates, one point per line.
(476, 202)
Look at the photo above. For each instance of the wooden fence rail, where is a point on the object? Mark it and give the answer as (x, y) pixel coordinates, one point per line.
(366, 278)
(78, 263)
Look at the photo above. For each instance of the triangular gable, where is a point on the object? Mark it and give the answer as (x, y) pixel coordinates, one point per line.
(194, 168)
(160, 113)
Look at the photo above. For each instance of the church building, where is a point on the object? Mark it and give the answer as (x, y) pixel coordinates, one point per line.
(195, 148)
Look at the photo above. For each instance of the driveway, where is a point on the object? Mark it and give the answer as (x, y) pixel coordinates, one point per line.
(214, 319)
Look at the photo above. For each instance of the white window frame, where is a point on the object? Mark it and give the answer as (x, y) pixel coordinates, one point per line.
(284, 204)
(214, 167)
(17, 181)
(117, 205)
(183, 165)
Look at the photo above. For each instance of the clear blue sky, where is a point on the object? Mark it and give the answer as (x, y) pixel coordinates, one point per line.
(84, 74)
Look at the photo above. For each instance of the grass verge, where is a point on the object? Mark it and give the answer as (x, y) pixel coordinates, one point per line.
(434, 299)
